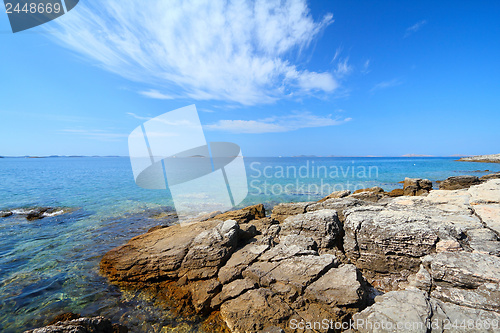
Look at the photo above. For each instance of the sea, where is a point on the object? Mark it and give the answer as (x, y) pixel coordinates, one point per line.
(50, 266)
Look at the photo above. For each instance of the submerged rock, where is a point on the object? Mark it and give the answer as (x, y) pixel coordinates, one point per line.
(82, 325)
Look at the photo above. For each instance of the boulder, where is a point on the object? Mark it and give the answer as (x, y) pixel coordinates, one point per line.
(289, 277)
(342, 286)
(459, 182)
(210, 250)
(239, 261)
(323, 226)
(416, 186)
(160, 255)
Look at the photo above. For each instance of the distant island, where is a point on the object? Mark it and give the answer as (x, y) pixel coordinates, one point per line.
(416, 155)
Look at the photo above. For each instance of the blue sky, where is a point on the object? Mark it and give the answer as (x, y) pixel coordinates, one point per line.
(278, 78)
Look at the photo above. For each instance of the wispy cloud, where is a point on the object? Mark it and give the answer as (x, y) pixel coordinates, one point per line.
(386, 84)
(234, 51)
(153, 93)
(100, 135)
(287, 123)
(343, 68)
(366, 67)
(414, 28)
(138, 117)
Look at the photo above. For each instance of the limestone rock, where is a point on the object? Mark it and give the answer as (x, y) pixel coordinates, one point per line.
(394, 309)
(464, 278)
(284, 210)
(323, 226)
(485, 193)
(336, 195)
(342, 286)
(210, 250)
(368, 196)
(233, 290)
(244, 215)
(490, 215)
(255, 310)
(458, 182)
(339, 205)
(449, 317)
(239, 261)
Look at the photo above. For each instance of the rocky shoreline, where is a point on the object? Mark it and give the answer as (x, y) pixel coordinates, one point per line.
(494, 158)
(417, 256)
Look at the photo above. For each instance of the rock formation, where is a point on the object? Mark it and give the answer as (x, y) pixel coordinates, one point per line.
(494, 158)
(366, 256)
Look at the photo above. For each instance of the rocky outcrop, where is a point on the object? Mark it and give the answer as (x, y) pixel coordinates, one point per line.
(436, 257)
(416, 186)
(256, 283)
(35, 213)
(459, 182)
(82, 325)
(494, 158)
(387, 241)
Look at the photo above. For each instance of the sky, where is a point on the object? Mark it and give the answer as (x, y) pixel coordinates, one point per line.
(278, 78)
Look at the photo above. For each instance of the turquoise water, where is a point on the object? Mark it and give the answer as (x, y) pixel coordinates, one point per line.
(50, 266)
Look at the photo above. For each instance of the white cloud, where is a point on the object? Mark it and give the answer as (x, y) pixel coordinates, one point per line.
(138, 117)
(153, 93)
(287, 123)
(343, 68)
(234, 51)
(366, 67)
(386, 84)
(414, 28)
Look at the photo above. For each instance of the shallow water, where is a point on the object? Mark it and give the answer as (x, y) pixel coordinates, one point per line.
(50, 266)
